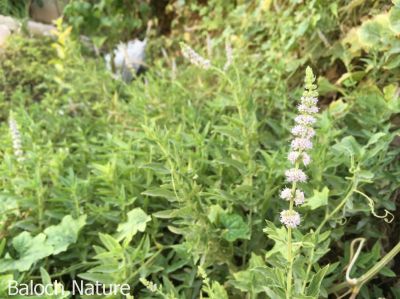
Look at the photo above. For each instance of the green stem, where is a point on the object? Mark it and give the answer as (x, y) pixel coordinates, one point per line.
(310, 262)
(290, 257)
(289, 276)
(338, 207)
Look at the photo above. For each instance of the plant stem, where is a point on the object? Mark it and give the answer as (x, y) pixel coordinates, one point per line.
(289, 276)
(310, 262)
(339, 206)
(290, 257)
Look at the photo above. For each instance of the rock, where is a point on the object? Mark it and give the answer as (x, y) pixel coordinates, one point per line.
(4, 33)
(127, 59)
(46, 11)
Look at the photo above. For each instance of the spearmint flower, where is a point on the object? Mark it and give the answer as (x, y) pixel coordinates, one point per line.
(305, 120)
(194, 57)
(290, 218)
(303, 131)
(299, 198)
(295, 175)
(286, 194)
(16, 139)
(229, 55)
(301, 143)
(306, 159)
(293, 156)
(307, 109)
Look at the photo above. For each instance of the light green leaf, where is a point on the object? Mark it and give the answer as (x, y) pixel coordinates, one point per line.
(348, 146)
(156, 167)
(30, 251)
(4, 282)
(102, 278)
(394, 19)
(109, 242)
(314, 287)
(376, 33)
(236, 228)
(137, 220)
(160, 192)
(64, 234)
(319, 199)
(385, 271)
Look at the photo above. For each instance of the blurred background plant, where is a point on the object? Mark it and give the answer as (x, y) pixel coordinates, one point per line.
(181, 167)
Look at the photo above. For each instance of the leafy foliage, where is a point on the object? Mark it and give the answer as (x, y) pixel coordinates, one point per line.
(171, 183)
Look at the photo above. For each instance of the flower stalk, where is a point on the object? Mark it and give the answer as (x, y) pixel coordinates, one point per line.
(16, 139)
(302, 133)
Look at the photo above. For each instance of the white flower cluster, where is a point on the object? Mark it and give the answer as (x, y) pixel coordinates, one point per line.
(301, 143)
(229, 55)
(16, 139)
(194, 57)
(290, 218)
(151, 286)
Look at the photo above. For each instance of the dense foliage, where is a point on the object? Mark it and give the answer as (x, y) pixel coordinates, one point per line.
(174, 178)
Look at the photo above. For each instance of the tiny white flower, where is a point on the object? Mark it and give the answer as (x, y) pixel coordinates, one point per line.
(293, 156)
(286, 194)
(295, 175)
(307, 109)
(305, 120)
(301, 144)
(309, 101)
(229, 55)
(306, 159)
(290, 218)
(299, 198)
(194, 57)
(303, 131)
(16, 139)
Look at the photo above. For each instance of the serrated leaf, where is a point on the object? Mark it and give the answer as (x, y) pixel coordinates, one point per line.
(385, 271)
(109, 242)
(102, 278)
(394, 19)
(64, 234)
(137, 220)
(235, 227)
(4, 282)
(156, 167)
(160, 192)
(315, 284)
(319, 199)
(30, 251)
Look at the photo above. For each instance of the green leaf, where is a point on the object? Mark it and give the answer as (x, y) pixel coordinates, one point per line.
(236, 228)
(109, 242)
(156, 167)
(4, 282)
(348, 146)
(319, 199)
(394, 19)
(160, 192)
(137, 220)
(385, 271)
(314, 287)
(102, 278)
(64, 234)
(45, 276)
(30, 251)
(214, 212)
(376, 33)
(165, 214)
